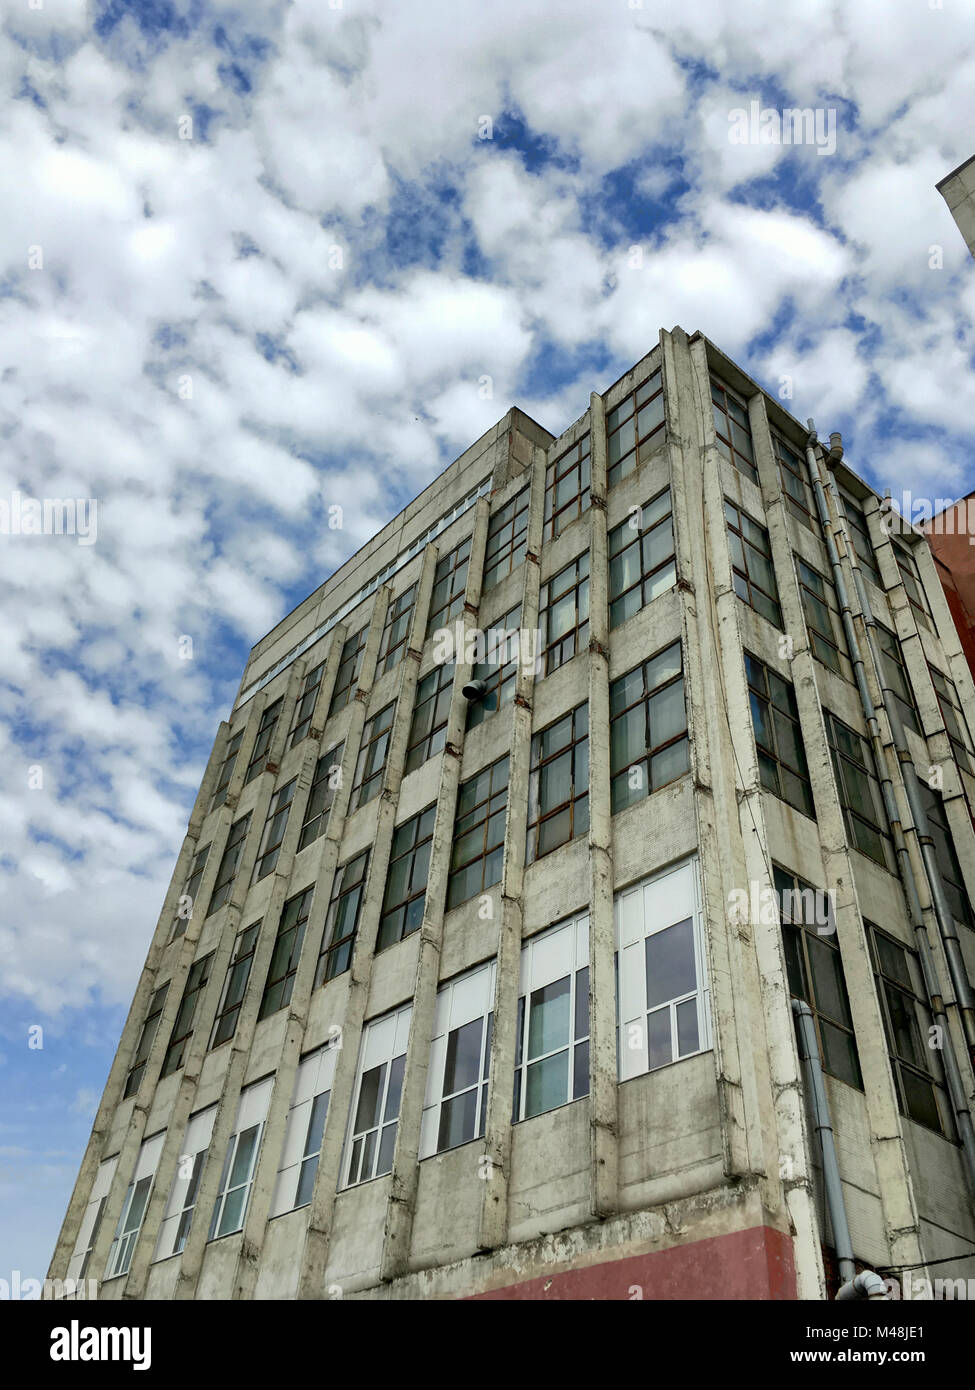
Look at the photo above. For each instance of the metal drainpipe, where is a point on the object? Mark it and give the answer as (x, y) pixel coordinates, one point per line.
(824, 1130)
(956, 1087)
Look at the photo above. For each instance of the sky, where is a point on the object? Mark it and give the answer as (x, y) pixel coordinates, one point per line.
(256, 261)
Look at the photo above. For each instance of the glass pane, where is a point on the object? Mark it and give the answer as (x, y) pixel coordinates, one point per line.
(827, 980)
(547, 1084)
(391, 1109)
(580, 1070)
(687, 1036)
(920, 1100)
(242, 1159)
(839, 1054)
(306, 1181)
(457, 1120)
(667, 715)
(463, 1057)
(581, 1021)
(548, 1025)
(670, 963)
(672, 762)
(386, 1146)
(367, 1111)
(232, 1216)
(658, 1038)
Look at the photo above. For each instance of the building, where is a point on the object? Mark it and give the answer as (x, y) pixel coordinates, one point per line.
(958, 191)
(376, 1049)
(951, 537)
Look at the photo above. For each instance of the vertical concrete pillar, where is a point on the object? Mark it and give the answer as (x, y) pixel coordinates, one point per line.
(604, 1077)
(496, 1171)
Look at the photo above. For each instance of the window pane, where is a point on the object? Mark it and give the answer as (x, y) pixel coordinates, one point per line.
(463, 1057)
(547, 1084)
(658, 1039)
(548, 1022)
(457, 1120)
(670, 963)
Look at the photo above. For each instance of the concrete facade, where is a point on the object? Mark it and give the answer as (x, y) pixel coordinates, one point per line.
(659, 1144)
(958, 191)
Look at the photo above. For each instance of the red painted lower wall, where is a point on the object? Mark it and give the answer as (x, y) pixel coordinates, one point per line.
(743, 1265)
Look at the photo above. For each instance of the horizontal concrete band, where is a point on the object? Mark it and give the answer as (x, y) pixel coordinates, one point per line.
(756, 1263)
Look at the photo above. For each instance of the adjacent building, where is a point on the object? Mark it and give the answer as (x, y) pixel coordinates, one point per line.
(526, 830)
(958, 191)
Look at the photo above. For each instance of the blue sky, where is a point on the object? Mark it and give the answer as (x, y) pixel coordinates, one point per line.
(281, 246)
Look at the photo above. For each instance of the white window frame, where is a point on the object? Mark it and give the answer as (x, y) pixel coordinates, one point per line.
(186, 1183)
(384, 1041)
(91, 1221)
(313, 1082)
(643, 910)
(126, 1234)
(552, 955)
(251, 1115)
(469, 998)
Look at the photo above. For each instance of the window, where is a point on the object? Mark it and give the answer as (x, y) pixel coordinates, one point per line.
(342, 919)
(376, 1097)
(325, 783)
(823, 621)
(428, 731)
(274, 826)
(815, 974)
(455, 1107)
(241, 1161)
(566, 488)
(287, 951)
(499, 669)
(175, 1225)
(641, 558)
(859, 791)
(752, 571)
(558, 788)
(782, 763)
(647, 728)
(796, 487)
(733, 430)
(196, 983)
(265, 732)
(134, 1208)
(911, 579)
(552, 1043)
(662, 994)
(954, 720)
(507, 540)
(134, 1079)
(371, 762)
(227, 872)
(632, 425)
(305, 1128)
(191, 887)
(564, 613)
(350, 665)
(92, 1219)
(478, 848)
(952, 879)
(449, 584)
(238, 973)
(305, 707)
(406, 883)
(227, 770)
(918, 1073)
(894, 678)
(860, 536)
(396, 630)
